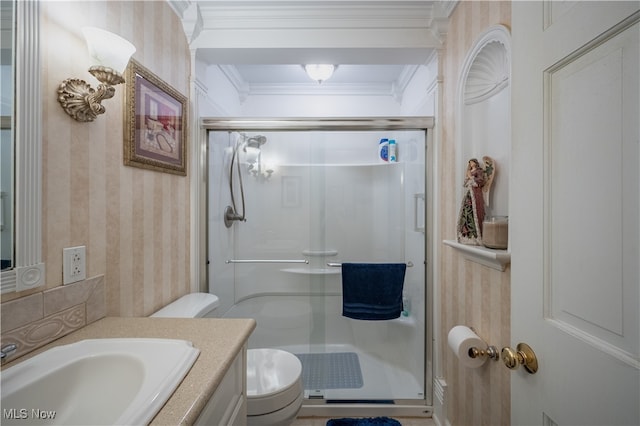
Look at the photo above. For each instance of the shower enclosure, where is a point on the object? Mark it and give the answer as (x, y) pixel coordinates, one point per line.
(289, 201)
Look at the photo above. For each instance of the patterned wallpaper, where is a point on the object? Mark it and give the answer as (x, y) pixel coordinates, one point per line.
(472, 294)
(134, 222)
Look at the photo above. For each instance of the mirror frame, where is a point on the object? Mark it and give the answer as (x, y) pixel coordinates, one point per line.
(29, 268)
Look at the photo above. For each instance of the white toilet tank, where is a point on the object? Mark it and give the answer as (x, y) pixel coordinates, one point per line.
(194, 305)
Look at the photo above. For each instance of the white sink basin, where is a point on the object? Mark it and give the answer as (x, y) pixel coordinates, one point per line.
(95, 382)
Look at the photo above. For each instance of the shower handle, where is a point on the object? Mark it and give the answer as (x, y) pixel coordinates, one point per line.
(230, 216)
(416, 212)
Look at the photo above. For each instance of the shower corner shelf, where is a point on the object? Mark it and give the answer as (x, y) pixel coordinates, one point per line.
(408, 321)
(496, 259)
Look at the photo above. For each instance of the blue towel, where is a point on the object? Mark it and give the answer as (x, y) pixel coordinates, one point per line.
(372, 291)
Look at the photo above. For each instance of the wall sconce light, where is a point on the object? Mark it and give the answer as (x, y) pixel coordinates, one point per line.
(319, 72)
(261, 172)
(110, 54)
(253, 157)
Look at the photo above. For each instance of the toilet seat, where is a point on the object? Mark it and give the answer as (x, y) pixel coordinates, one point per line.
(282, 417)
(274, 381)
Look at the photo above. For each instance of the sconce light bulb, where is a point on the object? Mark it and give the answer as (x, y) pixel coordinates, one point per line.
(108, 49)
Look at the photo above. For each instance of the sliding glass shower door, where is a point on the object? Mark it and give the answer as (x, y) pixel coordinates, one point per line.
(304, 203)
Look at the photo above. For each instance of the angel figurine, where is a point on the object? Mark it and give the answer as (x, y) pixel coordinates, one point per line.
(477, 184)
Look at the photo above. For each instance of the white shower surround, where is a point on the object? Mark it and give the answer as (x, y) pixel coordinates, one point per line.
(282, 298)
(419, 99)
(289, 322)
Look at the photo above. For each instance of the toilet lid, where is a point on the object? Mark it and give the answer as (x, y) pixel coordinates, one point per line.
(271, 371)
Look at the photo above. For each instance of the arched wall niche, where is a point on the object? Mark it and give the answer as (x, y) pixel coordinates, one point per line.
(484, 119)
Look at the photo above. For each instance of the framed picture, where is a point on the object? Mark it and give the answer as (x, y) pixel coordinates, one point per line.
(155, 123)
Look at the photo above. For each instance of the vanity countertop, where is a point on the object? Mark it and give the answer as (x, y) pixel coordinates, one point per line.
(219, 341)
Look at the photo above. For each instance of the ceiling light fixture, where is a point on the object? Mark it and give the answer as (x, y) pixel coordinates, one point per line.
(319, 72)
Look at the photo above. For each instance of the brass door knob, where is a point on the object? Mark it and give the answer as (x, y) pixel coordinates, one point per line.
(524, 356)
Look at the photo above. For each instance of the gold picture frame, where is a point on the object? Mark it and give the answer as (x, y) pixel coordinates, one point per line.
(155, 123)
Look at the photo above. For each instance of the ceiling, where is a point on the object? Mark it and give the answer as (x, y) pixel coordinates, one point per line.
(262, 44)
(276, 74)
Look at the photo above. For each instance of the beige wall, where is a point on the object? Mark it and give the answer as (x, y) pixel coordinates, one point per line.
(134, 222)
(472, 294)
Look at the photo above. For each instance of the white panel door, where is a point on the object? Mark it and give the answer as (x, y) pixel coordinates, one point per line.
(574, 213)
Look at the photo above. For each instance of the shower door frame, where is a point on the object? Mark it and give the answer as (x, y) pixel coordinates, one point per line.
(313, 407)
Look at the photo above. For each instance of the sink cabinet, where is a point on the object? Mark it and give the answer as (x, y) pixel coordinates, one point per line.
(228, 405)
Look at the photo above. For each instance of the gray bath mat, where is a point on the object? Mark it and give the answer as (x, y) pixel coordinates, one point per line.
(340, 370)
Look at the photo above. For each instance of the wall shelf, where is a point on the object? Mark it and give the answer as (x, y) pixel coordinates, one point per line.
(496, 259)
(319, 253)
(408, 321)
(376, 165)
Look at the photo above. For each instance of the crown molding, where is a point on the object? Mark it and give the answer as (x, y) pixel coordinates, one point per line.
(400, 85)
(446, 6)
(324, 89)
(244, 89)
(179, 6)
(318, 24)
(236, 80)
(442, 10)
(190, 15)
(316, 14)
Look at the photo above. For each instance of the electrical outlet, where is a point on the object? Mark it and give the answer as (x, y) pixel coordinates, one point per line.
(73, 264)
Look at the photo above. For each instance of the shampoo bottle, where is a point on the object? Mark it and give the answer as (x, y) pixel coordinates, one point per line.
(393, 151)
(383, 149)
(406, 306)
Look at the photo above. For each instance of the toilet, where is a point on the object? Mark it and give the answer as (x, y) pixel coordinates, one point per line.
(274, 376)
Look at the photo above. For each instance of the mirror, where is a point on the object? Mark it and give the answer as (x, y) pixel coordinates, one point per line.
(7, 37)
(26, 126)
